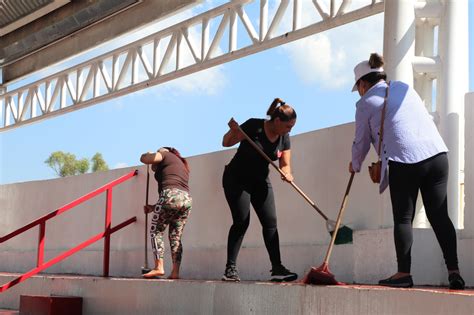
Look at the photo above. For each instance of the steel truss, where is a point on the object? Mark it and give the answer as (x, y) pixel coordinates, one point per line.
(141, 64)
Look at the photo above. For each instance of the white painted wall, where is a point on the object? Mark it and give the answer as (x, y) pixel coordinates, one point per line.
(468, 231)
(320, 161)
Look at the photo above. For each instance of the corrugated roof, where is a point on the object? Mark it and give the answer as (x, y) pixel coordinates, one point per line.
(13, 10)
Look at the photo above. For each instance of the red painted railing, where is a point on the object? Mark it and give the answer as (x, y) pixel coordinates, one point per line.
(108, 230)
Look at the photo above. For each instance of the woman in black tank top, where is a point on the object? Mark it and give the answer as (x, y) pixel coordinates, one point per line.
(246, 182)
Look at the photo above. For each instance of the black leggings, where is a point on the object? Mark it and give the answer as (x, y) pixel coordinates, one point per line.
(430, 177)
(239, 194)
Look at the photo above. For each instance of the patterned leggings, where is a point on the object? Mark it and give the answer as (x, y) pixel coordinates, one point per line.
(172, 208)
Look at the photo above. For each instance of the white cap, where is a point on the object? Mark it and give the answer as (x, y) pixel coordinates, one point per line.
(362, 69)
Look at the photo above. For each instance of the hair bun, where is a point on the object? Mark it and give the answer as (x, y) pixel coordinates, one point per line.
(376, 61)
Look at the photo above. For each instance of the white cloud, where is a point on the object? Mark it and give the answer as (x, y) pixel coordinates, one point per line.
(327, 59)
(209, 82)
(316, 61)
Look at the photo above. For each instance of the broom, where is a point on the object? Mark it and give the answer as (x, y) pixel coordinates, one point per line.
(322, 274)
(344, 236)
(145, 268)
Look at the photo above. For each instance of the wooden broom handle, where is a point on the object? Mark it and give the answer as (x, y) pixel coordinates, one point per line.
(146, 214)
(255, 146)
(339, 219)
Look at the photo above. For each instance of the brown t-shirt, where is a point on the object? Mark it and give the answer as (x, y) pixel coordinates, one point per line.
(171, 173)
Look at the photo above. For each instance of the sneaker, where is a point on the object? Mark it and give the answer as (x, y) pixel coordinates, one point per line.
(231, 274)
(456, 282)
(403, 282)
(281, 274)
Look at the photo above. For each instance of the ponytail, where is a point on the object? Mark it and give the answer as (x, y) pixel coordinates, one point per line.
(375, 61)
(176, 152)
(279, 109)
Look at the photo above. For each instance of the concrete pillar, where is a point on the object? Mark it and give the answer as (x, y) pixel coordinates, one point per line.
(424, 47)
(452, 86)
(423, 84)
(398, 48)
(399, 40)
(468, 231)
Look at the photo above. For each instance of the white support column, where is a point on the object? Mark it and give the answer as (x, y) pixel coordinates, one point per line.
(425, 69)
(452, 86)
(399, 40)
(398, 51)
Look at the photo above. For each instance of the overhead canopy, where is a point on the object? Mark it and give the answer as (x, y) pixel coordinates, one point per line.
(35, 34)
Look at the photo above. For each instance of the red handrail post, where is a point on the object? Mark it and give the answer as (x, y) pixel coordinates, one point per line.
(108, 223)
(40, 254)
(108, 231)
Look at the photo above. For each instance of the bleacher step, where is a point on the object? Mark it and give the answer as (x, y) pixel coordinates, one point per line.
(138, 296)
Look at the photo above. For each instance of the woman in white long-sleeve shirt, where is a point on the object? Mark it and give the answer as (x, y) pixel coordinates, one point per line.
(414, 152)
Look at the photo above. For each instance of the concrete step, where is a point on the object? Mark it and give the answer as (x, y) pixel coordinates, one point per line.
(139, 296)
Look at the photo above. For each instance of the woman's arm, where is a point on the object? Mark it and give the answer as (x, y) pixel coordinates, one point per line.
(232, 136)
(285, 165)
(362, 139)
(151, 158)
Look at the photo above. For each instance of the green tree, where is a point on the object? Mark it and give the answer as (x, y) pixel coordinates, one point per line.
(98, 163)
(65, 163)
(82, 166)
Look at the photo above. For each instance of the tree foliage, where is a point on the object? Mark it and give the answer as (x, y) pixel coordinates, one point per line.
(98, 163)
(65, 163)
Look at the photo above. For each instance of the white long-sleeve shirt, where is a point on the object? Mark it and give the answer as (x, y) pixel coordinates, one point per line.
(410, 135)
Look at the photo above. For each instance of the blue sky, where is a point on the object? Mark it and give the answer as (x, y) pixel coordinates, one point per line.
(314, 75)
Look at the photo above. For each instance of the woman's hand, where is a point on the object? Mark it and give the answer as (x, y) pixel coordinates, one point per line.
(148, 208)
(234, 135)
(233, 125)
(288, 177)
(351, 170)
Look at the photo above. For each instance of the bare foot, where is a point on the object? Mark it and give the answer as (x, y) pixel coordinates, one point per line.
(154, 273)
(174, 276)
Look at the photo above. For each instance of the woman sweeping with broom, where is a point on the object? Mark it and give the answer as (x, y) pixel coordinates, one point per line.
(173, 206)
(246, 182)
(393, 118)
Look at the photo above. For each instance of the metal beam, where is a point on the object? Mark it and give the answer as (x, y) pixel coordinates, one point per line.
(110, 71)
(76, 28)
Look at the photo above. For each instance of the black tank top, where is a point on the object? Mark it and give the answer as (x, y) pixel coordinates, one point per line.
(247, 162)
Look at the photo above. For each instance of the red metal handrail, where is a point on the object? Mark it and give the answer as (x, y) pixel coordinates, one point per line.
(108, 230)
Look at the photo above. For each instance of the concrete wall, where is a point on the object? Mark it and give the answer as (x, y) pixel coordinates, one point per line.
(320, 160)
(468, 231)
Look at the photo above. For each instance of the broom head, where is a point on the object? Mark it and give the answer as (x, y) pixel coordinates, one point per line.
(321, 276)
(344, 235)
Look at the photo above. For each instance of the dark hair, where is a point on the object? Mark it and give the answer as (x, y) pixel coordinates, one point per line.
(375, 61)
(176, 152)
(279, 109)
